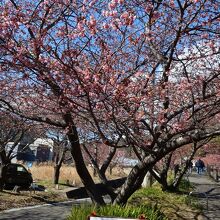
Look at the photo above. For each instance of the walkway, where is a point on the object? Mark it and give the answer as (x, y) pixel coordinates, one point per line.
(203, 183)
(42, 212)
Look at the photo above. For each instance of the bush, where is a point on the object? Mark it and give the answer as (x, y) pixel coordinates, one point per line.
(83, 211)
(185, 186)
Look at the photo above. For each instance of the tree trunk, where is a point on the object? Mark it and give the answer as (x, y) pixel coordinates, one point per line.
(83, 171)
(4, 158)
(136, 177)
(96, 161)
(132, 183)
(80, 164)
(110, 169)
(108, 160)
(148, 180)
(58, 163)
(56, 174)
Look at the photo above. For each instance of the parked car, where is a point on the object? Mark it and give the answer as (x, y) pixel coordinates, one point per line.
(12, 175)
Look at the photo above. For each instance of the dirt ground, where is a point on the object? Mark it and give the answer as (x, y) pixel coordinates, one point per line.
(9, 199)
(68, 175)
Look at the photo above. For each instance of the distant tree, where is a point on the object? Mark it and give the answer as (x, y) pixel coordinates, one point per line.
(60, 149)
(12, 133)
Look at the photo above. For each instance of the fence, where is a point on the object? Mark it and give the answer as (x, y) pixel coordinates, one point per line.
(213, 172)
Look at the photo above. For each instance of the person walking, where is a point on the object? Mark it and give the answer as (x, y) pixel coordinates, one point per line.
(200, 166)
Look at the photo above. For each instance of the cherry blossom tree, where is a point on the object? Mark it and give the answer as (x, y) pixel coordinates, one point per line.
(141, 73)
(9, 133)
(13, 132)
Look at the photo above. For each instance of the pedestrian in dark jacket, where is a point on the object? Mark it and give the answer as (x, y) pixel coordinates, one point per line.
(200, 166)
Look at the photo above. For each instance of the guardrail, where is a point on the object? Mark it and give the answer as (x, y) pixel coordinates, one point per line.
(214, 172)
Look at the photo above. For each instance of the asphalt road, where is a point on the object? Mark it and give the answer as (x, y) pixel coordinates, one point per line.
(43, 212)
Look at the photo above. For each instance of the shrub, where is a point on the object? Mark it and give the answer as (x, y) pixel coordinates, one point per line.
(185, 186)
(83, 211)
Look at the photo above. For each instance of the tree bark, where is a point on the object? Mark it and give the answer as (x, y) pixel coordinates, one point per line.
(80, 164)
(56, 174)
(82, 169)
(58, 163)
(135, 179)
(108, 160)
(4, 158)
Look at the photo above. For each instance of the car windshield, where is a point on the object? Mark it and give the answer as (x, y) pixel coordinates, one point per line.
(21, 169)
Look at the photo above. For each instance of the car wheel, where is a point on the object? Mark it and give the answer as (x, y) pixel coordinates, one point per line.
(9, 186)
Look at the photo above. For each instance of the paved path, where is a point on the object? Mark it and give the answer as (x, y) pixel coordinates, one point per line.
(42, 212)
(203, 184)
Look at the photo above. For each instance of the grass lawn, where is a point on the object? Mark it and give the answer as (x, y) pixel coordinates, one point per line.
(173, 205)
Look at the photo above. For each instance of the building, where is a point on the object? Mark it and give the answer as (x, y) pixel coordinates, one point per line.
(40, 150)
